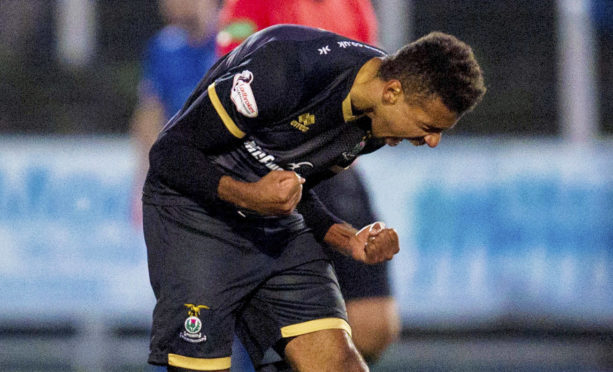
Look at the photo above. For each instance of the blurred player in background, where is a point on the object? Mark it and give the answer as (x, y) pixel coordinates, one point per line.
(175, 60)
(371, 309)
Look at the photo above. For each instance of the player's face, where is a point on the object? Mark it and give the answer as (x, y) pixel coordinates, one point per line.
(418, 121)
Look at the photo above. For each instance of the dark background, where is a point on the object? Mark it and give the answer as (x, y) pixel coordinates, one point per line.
(515, 42)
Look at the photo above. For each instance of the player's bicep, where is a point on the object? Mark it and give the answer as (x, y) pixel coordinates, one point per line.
(205, 124)
(221, 114)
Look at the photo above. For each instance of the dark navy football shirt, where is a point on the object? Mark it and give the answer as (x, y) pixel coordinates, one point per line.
(278, 101)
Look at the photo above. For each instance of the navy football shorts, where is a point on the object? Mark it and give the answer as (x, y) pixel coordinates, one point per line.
(265, 278)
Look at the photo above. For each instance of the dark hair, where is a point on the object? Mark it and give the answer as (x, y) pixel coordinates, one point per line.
(437, 64)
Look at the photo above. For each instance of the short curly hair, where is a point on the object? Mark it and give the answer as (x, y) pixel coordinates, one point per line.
(437, 64)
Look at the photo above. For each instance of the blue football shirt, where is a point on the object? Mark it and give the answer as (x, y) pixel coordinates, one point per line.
(172, 67)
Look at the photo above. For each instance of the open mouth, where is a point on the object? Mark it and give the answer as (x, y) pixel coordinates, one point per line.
(417, 141)
(392, 141)
(395, 141)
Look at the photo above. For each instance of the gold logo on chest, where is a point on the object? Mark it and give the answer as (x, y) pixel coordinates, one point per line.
(304, 122)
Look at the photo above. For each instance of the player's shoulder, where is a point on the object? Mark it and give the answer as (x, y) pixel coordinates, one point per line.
(291, 33)
(314, 51)
(279, 40)
(288, 38)
(305, 34)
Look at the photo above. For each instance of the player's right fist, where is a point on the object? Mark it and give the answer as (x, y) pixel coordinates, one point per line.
(277, 193)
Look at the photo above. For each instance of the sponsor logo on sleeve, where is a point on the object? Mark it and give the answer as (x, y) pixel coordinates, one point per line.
(242, 95)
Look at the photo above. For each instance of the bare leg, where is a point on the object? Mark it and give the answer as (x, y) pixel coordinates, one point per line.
(375, 324)
(330, 350)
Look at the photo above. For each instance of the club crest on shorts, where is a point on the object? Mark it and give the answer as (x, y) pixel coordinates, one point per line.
(242, 95)
(193, 325)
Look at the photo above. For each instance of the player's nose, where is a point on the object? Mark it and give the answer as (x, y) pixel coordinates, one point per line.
(433, 139)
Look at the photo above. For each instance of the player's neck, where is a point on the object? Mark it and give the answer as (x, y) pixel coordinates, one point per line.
(367, 86)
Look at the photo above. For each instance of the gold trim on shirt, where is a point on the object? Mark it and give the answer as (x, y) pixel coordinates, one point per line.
(348, 111)
(223, 114)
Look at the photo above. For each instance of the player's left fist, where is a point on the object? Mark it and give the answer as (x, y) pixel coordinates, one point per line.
(380, 243)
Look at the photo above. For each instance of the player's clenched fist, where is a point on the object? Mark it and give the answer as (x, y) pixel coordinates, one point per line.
(375, 244)
(276, 193)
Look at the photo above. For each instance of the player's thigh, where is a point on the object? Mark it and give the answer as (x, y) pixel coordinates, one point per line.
(295, 301)
(372, 311)
(370, 315)
(325, 350)
(374, 321)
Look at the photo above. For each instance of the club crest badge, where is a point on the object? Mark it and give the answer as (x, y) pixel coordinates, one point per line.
(350, 155)
(242, 95)
(193, 325)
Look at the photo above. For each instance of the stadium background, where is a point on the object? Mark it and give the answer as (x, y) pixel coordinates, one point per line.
(507, 228)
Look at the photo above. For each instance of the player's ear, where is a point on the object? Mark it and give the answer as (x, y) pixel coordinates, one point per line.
(392, 91)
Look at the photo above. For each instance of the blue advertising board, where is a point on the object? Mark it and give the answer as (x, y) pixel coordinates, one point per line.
(67, 242)
(493, 229)
(488, 229)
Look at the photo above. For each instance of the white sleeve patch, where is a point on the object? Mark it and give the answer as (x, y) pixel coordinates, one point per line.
(242, 95)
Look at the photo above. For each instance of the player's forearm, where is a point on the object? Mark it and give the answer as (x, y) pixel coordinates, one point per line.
(316, 215)
(185, 169)
(339, 236)
(235, 192)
